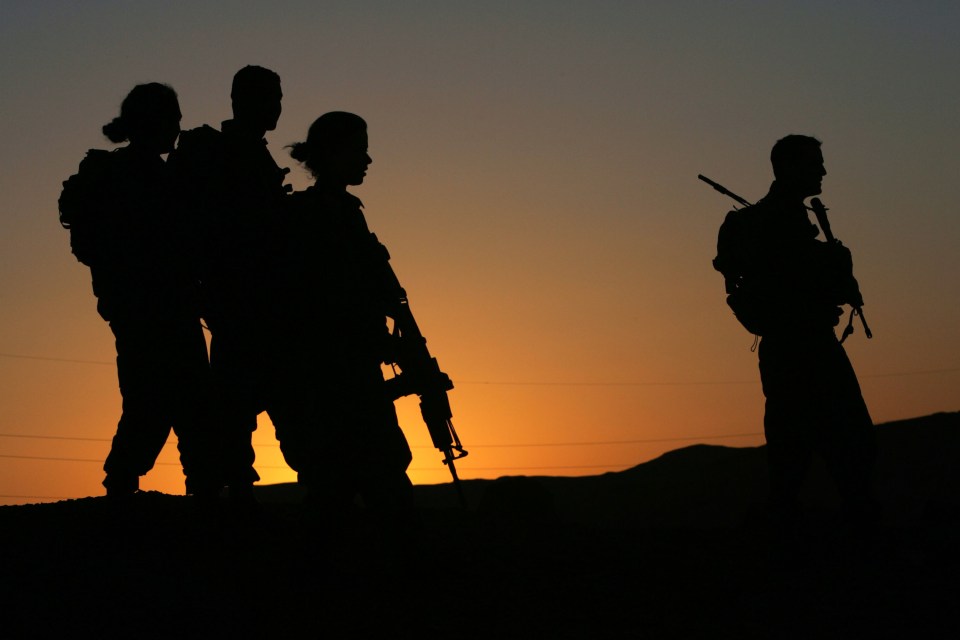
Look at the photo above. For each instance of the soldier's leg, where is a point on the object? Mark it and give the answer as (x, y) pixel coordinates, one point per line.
(849, 444)
(293, 416)
(192, 407)
(787, 419)
(144, 424)
(789, 454)
(306, 413)
(383, 481)
(236, 408)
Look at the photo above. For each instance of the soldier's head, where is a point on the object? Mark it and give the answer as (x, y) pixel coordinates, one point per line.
(335, 150)
(149, 119)
(798, 165)
(256, 96)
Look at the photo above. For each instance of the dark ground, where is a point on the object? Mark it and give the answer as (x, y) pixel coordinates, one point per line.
(674, 548)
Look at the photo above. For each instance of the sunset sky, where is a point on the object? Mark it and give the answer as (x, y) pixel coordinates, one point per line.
(535, 179)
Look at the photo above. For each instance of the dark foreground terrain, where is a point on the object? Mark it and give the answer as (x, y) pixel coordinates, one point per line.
(674, 548)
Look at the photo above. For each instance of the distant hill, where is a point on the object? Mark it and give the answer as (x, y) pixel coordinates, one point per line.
(712, 486)
(667, 549)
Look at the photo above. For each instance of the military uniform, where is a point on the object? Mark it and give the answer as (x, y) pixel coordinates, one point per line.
(336, 425)
(122, 226)
(787, 286)
(232, 187)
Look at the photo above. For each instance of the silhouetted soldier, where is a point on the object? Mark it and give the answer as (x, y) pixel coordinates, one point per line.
(787, 286)
(336, 424)
(122, 226)
(229, 179)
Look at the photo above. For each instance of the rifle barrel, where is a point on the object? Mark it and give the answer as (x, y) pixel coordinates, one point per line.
(722, 189)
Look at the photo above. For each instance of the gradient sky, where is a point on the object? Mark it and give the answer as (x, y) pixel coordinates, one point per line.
(534, 177)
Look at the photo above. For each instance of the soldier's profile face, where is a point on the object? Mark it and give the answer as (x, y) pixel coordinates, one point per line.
(159, 134)
(170, 130)
(260, 106)
(808, 172)
(271, 107)
(354, 159)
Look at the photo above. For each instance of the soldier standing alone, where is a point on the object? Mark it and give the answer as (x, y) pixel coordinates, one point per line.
(787, 286)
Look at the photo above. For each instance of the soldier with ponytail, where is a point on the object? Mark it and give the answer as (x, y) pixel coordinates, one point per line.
(122, 227)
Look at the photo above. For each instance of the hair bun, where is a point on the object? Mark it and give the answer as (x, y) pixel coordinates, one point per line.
(299, 151)
(116, 130)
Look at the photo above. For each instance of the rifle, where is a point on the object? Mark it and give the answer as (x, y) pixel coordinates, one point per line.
(722, 189)
(820, 212)
(420, 373)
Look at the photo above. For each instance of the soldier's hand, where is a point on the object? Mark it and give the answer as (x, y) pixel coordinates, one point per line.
(839, 257)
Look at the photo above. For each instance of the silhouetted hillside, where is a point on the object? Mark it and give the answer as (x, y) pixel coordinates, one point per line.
(672, 548)
(713, 486)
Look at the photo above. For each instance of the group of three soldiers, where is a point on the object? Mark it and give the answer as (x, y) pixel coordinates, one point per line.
(292, 292)
(291, 287)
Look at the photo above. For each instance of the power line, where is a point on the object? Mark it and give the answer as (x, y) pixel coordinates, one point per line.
(47, 359)
(513, 383)
(38, 437)
(604, 384)
(680, 383)
(473, 446)
(477, 446)
(614, 442)
(18, 457)
(539, 468)
(557, 383)
(100, 461)
(897, 374)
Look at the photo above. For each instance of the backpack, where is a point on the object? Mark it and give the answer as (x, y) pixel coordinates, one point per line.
(733, 251)
(80, 201)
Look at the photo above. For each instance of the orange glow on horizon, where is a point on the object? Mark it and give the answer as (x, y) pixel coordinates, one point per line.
(538, 198)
